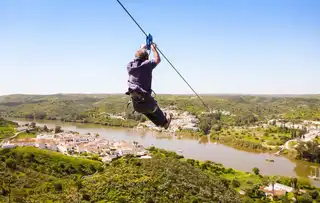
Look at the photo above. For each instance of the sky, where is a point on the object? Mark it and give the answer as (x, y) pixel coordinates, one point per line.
(84, 46)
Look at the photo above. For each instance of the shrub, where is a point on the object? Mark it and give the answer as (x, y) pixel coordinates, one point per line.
(235, 183)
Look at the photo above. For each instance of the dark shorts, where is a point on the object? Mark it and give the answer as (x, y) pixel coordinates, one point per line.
(147, 105)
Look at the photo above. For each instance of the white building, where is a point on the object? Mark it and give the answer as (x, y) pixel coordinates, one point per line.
(8, 145)
(124, 151)
(40, 144)
(106, 159)
(64, 148)
(279, 187)
(81, 149)
(52, 146)
(141, 153)
(45, 136)
(80, 140)
(23, 142)
(145, 157)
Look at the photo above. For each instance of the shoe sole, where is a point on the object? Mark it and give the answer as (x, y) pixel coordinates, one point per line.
(169, 121)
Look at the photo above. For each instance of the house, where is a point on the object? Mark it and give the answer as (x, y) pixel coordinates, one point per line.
(52, 145)
(145, 157)
(65, 148)
(141, 152)
(40, 144)
(80, 148)
(22, 128)
(23, 142)
(279, 189)
(80, 140)
(94, 150)
(45, 136)
(46, 144)
(106, 159)
(124, 151)
(8, 145)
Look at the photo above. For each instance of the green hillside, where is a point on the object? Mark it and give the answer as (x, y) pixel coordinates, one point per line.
(245, 109)
(29, 174)
(6, 128)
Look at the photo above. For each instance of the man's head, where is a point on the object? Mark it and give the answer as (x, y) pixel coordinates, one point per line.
(142, 54)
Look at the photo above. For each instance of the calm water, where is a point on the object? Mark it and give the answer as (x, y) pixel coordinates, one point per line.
(192, 148)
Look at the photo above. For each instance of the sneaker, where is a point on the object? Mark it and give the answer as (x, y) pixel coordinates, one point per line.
(169, 118)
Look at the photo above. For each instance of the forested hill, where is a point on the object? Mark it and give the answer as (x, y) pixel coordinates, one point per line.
(7, 128)
(96, 108)
(29, 174)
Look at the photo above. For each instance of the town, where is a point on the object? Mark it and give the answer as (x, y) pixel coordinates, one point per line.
(74, 144)
(181, 121)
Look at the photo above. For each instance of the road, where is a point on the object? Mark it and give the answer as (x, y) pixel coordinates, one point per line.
(10, 138)
(307, 137)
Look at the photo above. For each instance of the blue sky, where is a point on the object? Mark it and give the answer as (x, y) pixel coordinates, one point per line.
(239, 46)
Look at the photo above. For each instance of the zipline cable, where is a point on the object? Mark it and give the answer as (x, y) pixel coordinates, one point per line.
(165, 58)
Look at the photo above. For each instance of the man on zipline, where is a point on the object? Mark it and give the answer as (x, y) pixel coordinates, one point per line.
(139, 86)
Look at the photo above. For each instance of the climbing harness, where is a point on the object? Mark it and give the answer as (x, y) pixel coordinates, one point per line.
(136, 97)
(148, 40)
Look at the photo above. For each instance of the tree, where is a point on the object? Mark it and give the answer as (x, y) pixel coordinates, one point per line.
(273, 183)
(235, 183)
(314, 194)
(293, 134)
(191, 161)
(285, 199)
(11, 164)
(33, 125)
(57, 129)
(45, 128)
(205, 127)
(256, 171)
(216, 127)
(294, 183)
(309, 151)
(305, 198)
(58, 187)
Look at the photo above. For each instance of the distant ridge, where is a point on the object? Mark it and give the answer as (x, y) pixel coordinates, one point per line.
(204, 94)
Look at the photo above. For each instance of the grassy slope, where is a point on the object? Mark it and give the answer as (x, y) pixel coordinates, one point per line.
(157, 180)
(24, 135)
(29, 174)
(49, 162)
(6, 128)
(254, 138)
(160, 179)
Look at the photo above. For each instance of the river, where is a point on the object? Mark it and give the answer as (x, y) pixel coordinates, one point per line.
(192, 148)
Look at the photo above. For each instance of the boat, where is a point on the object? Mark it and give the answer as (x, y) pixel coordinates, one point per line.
(270, 160)
(314, 178)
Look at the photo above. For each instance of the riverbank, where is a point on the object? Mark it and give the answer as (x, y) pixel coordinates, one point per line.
(266, 138)
(251, 184)
(243, 160)
(231, 141)
(113, 122)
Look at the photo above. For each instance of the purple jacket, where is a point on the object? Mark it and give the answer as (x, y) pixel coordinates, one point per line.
(140, 75)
